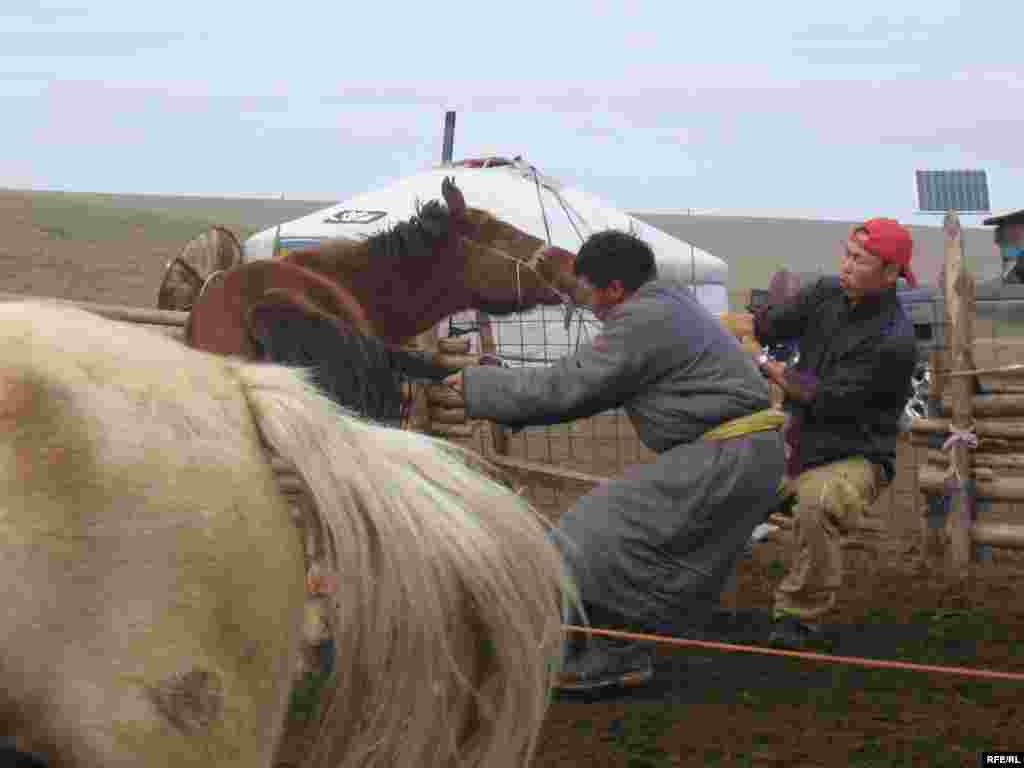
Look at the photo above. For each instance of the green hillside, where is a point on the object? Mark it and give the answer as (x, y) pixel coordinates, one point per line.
(96, 217)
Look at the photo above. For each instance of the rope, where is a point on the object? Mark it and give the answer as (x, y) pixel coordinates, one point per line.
(580, 328)
(568, 215)
(857, 661)
(209, 279)
(957, 436)
(568, 306)
(540, 202)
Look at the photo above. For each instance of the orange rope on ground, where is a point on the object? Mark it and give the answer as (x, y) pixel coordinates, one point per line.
(850, 660)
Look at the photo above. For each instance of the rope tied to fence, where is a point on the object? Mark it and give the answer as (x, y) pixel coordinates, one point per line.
(957, 436)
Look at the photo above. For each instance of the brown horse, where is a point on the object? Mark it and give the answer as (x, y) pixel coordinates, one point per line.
(393, 285)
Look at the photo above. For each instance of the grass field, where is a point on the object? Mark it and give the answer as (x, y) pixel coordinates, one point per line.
(91, 216)
(103, 218)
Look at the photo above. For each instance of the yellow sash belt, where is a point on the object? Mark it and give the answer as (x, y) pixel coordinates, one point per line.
(762, 421)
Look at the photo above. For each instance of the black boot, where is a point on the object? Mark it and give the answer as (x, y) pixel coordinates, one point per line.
(606, 663)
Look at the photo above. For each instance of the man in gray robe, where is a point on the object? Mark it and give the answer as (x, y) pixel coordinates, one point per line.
(652, 550)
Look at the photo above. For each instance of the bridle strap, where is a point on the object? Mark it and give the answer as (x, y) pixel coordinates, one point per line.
(532, 265)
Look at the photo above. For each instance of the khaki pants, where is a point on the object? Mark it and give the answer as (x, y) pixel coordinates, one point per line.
(832, 500)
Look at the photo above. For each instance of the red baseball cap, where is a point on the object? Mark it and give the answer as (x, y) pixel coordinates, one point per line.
(891, 242)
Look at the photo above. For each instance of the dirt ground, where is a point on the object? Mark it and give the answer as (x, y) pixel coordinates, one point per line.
(723, 708)
(712, 707)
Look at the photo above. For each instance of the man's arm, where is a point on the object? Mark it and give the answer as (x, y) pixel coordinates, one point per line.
(601, 375)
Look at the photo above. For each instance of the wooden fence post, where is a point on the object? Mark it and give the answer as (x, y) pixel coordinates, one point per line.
(959, 290)
(933, 544)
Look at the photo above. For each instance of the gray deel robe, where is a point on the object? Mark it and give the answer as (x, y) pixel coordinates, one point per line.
(657, 545)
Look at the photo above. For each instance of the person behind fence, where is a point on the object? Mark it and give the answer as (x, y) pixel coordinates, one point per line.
(653, 549)
(843, 398)
(1009, 237)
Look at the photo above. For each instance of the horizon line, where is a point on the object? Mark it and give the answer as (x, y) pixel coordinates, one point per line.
(738, 213)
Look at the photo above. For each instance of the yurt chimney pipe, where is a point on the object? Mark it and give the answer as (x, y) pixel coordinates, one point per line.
(449, 138)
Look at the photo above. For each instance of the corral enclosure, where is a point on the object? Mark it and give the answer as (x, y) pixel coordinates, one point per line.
(604, 445)
(112, 248)
(720, 709)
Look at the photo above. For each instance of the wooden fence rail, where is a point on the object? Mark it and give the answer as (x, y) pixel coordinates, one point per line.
(141, 315)
(968, 471)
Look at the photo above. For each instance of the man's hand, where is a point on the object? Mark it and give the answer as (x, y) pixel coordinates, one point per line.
(455, 382)
(740, 324)
(775, 372)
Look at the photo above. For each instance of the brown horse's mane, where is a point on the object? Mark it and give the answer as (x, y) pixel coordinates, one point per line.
(411, 238)
(428, 227)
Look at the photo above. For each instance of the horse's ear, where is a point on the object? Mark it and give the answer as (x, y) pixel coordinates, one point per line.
(453, 197)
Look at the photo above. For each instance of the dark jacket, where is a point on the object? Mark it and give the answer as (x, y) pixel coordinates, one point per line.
(853, 374)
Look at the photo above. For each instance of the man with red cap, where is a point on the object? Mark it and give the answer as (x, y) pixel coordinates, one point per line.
(844, 398)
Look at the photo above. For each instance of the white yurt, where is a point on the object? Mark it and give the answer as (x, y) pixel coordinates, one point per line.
(516, 192)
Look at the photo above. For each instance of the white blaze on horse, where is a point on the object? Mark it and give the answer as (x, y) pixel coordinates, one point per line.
(153, 577)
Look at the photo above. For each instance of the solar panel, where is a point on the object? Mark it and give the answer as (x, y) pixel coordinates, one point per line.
(958, 191)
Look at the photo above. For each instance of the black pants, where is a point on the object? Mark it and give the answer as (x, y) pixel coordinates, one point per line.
(10, 757)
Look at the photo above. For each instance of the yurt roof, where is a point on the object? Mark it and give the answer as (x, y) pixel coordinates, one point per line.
(511, 190)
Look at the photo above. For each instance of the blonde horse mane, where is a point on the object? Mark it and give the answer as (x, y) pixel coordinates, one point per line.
(448, 599)
(447, 614)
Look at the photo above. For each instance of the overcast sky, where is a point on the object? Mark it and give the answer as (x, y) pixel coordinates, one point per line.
(816, 109)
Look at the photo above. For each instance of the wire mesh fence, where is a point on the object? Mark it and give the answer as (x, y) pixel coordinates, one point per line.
(603, 445)
(606, 445)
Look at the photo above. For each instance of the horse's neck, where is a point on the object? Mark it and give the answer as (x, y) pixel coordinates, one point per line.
(402, 303)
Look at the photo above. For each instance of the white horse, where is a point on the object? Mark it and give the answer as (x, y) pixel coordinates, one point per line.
(152, 578)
